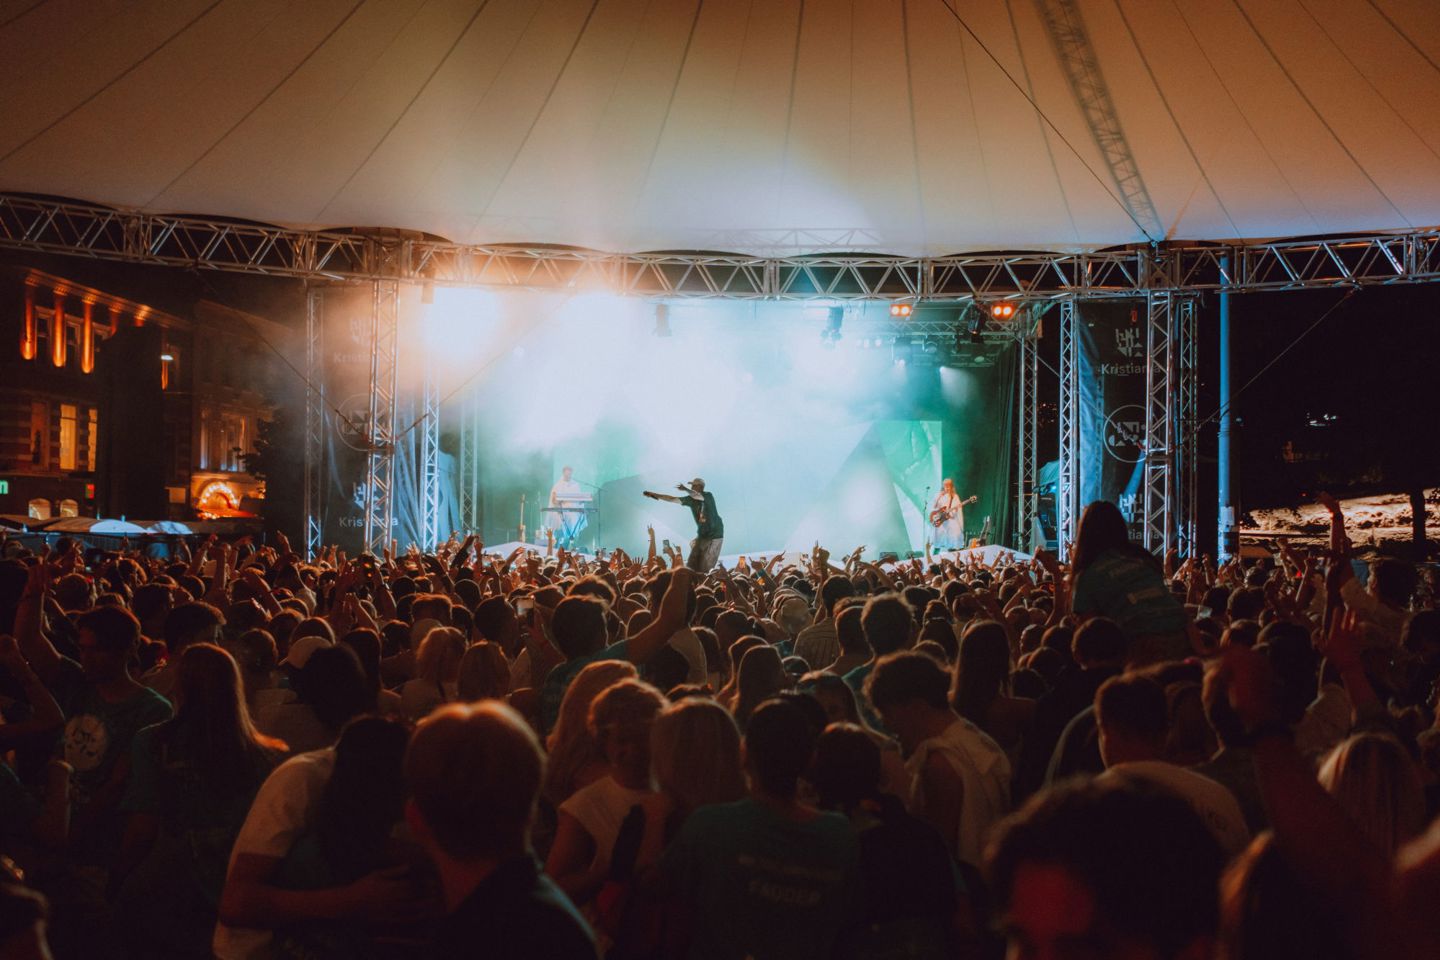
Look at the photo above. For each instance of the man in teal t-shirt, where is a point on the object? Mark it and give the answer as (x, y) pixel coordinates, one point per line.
(767, 876)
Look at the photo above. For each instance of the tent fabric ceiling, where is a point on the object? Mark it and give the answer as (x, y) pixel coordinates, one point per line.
(755, 126)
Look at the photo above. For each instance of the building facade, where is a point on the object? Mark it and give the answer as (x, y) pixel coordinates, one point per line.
(112, 407)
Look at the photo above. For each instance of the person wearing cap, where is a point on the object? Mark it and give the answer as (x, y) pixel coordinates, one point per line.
(709, 528)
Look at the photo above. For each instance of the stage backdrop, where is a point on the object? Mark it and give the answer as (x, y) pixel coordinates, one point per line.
(1112, 403)
(798, 441)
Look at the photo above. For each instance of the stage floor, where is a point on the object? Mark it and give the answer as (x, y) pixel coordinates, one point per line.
(988, 554)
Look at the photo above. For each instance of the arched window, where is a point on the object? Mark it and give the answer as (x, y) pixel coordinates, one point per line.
(39, 509)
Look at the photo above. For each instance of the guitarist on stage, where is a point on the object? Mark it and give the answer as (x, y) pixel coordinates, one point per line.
(947, 515)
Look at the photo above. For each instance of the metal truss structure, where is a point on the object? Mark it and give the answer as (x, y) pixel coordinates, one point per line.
(1067, 491)
(429, 440)
(1164, 275)
(314, 420)
(1076, 54)
(80, 229)
(469, 466)
(1167, 516)
(1026, 451)
(1186, 412)
(379, 497)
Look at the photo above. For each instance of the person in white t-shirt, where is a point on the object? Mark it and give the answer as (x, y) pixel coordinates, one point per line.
(961, 776)
(590, 820)
(286, 809)
(1132, 717)
(567, 492)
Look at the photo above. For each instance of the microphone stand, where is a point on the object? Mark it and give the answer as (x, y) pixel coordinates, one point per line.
(925, 514)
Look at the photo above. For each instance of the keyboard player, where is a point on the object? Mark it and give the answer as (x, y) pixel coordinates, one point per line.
(567, 492)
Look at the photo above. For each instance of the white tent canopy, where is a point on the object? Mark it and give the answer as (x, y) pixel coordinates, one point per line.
(757, 126)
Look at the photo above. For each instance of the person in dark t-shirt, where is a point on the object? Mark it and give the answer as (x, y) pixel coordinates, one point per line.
(709, 528)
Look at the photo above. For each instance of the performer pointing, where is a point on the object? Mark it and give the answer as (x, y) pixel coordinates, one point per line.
(709, 528)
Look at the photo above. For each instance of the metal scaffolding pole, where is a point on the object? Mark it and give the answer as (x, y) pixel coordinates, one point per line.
(469, 464)
(1157, 490)
(1168, 500)
(1028, 417)
(314, 419)
(1227, 543)
(430, 457)
(1067, 492)
(1187, 418)
(380, 456)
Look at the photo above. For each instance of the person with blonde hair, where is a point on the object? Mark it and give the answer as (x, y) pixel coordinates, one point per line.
(437, 667)
(576, 758)
(1377, 785)
(695, 755)
(484, 673)
(620, 721)
(762, 675)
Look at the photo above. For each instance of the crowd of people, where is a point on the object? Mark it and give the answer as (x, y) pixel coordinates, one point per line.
(242, 753)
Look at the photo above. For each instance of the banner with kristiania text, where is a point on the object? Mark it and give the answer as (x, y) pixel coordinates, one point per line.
(1112, 403)
(345, 344)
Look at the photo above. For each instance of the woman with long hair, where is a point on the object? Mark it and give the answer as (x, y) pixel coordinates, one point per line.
(735, 652)
(762, 675)
(695, 755)
(980, 688)
(1377, 784)
(620, 721)
(484, 673)
(191, 782)
(695, 758)
(1112, 577)
(437, 668)
(576, 757)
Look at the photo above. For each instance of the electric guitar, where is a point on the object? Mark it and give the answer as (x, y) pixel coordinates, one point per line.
(984, 537)
(939, 515)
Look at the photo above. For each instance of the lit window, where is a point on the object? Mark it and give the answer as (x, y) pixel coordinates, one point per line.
(92, 438)
(69, 436)
(69, 508)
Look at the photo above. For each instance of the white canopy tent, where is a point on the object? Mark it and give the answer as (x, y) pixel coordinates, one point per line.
(754, 126)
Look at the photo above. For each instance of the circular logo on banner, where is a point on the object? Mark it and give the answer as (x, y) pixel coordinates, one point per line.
(1125, 433)
(352, 422)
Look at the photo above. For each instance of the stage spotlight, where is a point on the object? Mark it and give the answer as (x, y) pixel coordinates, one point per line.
(1002, 311)
(662, 320)
(901, 309)
(833, 321)
(977, 319)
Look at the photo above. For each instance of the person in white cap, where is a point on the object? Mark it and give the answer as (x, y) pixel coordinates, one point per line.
(709, 528)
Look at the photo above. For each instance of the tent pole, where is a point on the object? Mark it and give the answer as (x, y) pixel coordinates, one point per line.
(1227, 544)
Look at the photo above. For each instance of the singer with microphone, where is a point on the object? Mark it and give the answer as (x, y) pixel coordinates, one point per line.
(709, 528)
